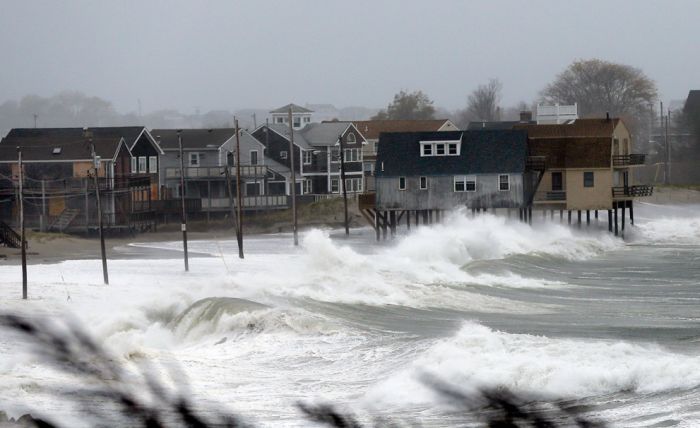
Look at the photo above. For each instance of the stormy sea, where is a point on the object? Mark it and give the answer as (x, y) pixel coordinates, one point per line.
(556, 312)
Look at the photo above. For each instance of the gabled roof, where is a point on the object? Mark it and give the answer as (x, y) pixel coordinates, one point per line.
(295, 109)
(60, 144)
(323, 134)
(573, 152)
(200, 139)
(482, 152)
(283, 130)
(584, 128)
(372, 128)
(132, 134)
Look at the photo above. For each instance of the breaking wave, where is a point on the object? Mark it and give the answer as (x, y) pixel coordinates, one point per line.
(669, 230)
(478, 357)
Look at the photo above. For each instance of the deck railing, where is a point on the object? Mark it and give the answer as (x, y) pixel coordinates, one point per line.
(629, 160)
(554, 196)
(217, 171)
(248, 202)
(632, 191)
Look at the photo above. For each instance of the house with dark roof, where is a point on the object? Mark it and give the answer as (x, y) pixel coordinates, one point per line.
(435, 171)
(317, 154)
(145, 152)
(207, 154)
(58, 164)
(372, 129)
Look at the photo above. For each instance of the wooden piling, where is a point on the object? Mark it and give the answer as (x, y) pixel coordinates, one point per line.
(377, 226)
(616, 231)
(610, 221)
(408, 220)
(392, 222)
(588, 217)
(623, 217)
(631, 213)
(569, 215)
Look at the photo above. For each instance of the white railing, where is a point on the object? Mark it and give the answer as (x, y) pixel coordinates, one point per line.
(217, 171)
(556, 114)
(265, 201)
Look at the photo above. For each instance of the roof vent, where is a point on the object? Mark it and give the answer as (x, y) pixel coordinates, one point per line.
(56, 150)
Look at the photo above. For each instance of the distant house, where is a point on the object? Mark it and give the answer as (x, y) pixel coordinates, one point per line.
(206, 157)
(424, 171)
(588, 164)
(372, 129)
(145, 152)
(317, 154)
(58, 163)
(301, 116)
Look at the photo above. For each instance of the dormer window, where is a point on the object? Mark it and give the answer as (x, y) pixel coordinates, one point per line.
(440, 148)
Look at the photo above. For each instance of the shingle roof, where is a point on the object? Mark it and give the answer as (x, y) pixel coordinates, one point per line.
(295, 109)
(573, 152)
(283, 130)
(372, 128)
(38, 144)
(323, 134)
(482, 152)
(579, 128)
(203, 139)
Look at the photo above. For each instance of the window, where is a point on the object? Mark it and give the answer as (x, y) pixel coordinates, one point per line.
(153, 164)
(368, 167)
(194, 159)
(353, 184)
(557, 182)
(280, 120)
(423, 183)
(504, 182)
(351, 138)
(56, 151)
(335, 183)
(296, 122)
(588, 179)
(439, 148)
(283, 154)
(471, 183)
(402, 183)
(351, 155)
(253, 157)
(142, 164)
(307, 186)
(307, 120)
(133, 165)
(460, 183)
(308, 156)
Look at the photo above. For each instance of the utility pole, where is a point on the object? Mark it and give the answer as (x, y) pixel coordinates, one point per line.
(255, 122)
(35, 117)
(234, 216)
(294, 180)
(23, 241)
(183, 218)
(239, 198)
(105, 276)
(667, 172)
(342, 180)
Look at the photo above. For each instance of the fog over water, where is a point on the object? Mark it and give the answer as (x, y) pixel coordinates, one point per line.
(549, 310)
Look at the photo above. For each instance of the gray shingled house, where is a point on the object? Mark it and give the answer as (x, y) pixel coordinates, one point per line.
(444, 170)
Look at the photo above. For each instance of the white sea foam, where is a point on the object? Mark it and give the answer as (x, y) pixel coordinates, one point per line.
(479, 357)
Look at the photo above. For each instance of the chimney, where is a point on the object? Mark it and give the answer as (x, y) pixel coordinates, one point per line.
(607, 116)
(525, 116)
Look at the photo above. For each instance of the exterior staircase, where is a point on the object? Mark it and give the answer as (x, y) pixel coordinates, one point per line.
(64, 220)
(8, 237)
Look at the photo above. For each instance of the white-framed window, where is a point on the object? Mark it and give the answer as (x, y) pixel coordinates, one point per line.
(423, 183)
(142, 164)
(134, 165)
(335, 154)
(504, 182)
(335, 185)
(402, 183)
(440, 148)
(460, 183)
(283, 154)
(352, 155)
(280, 120)
(153, 164)
(307, 119)
(308, 156)
(253, 157)
(307, 186)
(470, 185)
(353, 184)
(296, 122)
(194, 159)
(350, 138)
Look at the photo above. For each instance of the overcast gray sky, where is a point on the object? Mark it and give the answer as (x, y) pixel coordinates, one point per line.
(235, 54)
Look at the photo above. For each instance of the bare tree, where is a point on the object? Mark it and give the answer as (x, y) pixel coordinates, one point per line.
(483, 102)
(414, 105)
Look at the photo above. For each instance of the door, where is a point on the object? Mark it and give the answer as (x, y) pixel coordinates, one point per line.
(557, 182)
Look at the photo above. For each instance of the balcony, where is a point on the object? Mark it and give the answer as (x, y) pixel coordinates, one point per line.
(551, 196)
(637, 191)
(248, 203)
(217, 171)
(629, 160)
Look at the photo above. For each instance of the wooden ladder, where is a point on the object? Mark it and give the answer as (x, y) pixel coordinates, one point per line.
(65, 219)
(9, 237)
